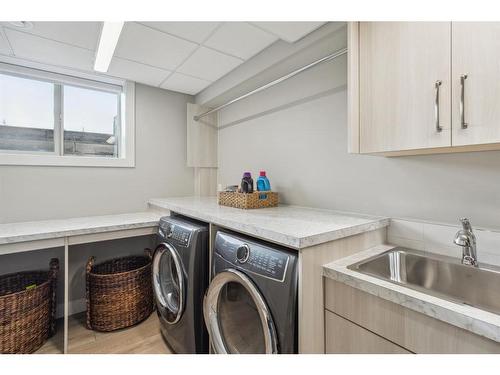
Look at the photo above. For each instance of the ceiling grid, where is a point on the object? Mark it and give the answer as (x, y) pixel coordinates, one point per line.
(181, 56)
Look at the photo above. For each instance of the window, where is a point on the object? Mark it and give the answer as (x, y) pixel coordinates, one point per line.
(91, 122)
(53, 119)
(26, 114)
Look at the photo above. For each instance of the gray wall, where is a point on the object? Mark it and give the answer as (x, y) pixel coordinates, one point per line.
(37, 193)
(297, 132)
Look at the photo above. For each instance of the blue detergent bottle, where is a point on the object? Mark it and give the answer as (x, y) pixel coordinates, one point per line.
(263, 183)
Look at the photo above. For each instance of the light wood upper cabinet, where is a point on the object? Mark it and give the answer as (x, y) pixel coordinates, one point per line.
(399, 65)
(394, 107)
(476, 53)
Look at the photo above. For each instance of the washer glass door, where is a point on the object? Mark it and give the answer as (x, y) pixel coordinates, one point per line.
(168, 283)
(237, 317)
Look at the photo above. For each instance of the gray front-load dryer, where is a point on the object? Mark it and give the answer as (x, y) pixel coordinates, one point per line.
(180, 279)
(251, 302)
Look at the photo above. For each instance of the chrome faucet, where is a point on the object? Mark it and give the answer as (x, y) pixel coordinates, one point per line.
(467, 240)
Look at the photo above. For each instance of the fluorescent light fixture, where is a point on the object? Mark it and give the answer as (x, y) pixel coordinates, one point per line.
(107, 43)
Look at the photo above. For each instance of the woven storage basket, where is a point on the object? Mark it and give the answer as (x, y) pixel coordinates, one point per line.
(27, 309)
(257, 199)
(119, 292)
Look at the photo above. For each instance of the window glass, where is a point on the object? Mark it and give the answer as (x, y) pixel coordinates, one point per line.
(48, 116)
(91, 122)
(26, 114)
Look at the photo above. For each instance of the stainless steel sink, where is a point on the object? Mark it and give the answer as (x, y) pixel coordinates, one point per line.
(440, 276)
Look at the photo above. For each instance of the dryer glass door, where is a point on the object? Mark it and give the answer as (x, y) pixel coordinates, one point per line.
(168, 283)
(237, 316)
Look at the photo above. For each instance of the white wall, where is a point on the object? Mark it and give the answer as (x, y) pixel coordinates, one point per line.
(37, 193)
(437, 238)
(297, 132)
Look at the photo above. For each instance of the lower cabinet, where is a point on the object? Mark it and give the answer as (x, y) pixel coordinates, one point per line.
(345, 337)
(359, 322)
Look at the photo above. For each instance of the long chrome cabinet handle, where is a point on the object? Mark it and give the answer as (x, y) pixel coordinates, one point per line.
(436, 106)
(463, 77)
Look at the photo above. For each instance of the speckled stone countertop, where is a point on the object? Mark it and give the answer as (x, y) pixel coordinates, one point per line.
(292, 226)
(47, 229)
(472, 319)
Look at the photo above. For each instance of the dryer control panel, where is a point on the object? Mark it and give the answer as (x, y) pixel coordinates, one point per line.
(251, 256)
(268, 263)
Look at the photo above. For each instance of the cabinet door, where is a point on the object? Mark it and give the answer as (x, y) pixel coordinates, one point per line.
(399, 65)
(345, 337)
(476, 54)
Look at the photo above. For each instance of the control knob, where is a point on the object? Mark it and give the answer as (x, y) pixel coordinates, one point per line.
(169, 231)
(243, 253)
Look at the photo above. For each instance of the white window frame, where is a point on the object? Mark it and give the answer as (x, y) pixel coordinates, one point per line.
(126, 153)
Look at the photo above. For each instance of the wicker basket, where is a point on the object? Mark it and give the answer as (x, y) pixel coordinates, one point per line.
(27, 309)
(257, 199)
(119, 292)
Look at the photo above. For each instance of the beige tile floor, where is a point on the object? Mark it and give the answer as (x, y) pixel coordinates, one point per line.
(144, 338)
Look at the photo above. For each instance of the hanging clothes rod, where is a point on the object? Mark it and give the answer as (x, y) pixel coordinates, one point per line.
(330, 57)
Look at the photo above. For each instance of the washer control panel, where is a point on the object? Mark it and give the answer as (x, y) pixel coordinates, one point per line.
(252, 257)
(176, 233)
(181, 235)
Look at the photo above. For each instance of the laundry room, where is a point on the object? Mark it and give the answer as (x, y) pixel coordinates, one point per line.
(209, 181)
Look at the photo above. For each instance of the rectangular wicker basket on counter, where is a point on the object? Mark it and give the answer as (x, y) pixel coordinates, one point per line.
(258, 199)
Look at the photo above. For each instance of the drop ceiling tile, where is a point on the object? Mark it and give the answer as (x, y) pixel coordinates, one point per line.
(80, 34)
(4, 46)
(148, 46)
(194, 31)
(47, 51)
(289, 31)
(240, 39)
(185, 84)
(137, 72)
(208, 64)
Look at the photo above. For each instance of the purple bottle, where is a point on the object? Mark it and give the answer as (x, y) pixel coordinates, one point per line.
(247, 183)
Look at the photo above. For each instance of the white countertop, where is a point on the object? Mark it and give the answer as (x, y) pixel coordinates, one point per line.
(291, 226)
(47, 229)
(467, 317)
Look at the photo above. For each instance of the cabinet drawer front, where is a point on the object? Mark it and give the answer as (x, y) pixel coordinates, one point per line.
(399, 65)
(345, 337)
(414, 331)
